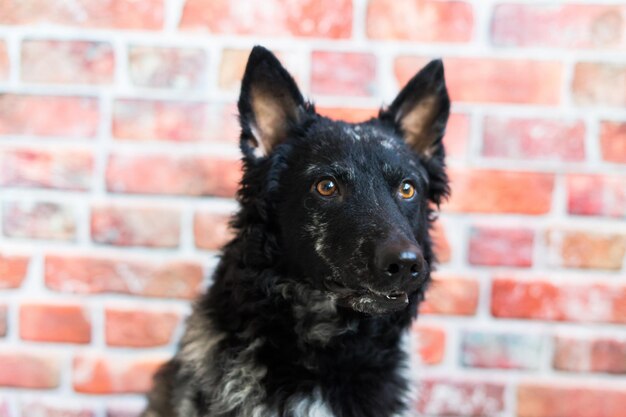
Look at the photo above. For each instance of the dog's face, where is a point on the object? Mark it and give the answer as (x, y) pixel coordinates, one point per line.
(351, 202)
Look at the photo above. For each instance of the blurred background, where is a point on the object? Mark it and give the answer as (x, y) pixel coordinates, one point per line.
(119, 161)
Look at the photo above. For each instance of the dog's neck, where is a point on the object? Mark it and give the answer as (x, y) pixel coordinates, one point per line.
(301, 343)
(299, 334)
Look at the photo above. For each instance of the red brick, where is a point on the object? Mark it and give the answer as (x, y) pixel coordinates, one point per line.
(124, 410)
(442, 247)
(341, 73)
(55, 323)
(133, 226)
(560, 26)
(177, 121)
(233, 64)
(586, 249)
(67, 62)
(94, 374)
(90, 275)
(39, 220)
(613, 142)
(552, 400)
(457, 135)
(590, 355)
(542, 300)
(420, 20)
(13, 270)
(32, 168)
(536, 139)
(451, 295)
(596, 195)
(486, 191)
(444, 397)
(4, 313)
(211, 230)
(347, 114)
(492, 246)
(599, 84)
(188, 175)
(164, 120)
(4, 61)
(501, 350)
(431, 343)
(308, 18)
(158, 67)
(139, 328)
(494, 80)
(25, 370)
(114, 14)
(71, 117)
(232, 67)
(53, 409)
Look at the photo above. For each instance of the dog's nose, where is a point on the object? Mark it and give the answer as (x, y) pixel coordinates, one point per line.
(400, 260)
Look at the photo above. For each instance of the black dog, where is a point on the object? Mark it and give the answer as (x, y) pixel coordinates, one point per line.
(313, 297)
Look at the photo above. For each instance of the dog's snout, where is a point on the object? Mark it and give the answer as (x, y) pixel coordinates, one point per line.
(400, 260)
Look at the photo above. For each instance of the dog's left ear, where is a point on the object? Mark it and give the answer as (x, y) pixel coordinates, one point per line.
(420, 111)
(270, 103)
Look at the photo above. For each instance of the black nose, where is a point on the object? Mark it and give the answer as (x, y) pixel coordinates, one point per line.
(403, 260)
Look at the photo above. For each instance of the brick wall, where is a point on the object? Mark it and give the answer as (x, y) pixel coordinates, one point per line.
(118, 163)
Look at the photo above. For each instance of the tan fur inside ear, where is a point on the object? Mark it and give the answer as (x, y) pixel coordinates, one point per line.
(417, 125)
(272, 113)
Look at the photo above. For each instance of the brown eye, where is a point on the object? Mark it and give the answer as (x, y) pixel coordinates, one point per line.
(326, 187)
(406, 190)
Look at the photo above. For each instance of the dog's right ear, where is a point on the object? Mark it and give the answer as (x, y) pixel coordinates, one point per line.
(420, 113)
(270, 103)
(421, 109)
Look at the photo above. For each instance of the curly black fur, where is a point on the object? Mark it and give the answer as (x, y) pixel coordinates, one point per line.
(294, 324)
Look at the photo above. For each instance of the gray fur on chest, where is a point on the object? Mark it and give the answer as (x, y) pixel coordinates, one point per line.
(233, 382)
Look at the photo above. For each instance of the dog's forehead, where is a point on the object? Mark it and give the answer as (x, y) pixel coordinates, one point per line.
(349, 134)
(357, 144)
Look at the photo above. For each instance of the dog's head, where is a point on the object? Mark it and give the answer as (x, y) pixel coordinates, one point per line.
(350, 204)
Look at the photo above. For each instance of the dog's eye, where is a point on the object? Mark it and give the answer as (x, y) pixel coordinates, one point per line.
(406, 190)
(326, 187)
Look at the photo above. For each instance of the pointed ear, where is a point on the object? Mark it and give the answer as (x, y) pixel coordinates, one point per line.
(269, 104)
(420, 111)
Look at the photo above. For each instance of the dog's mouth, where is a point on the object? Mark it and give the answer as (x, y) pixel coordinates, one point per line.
(369, 301)
(379, 303)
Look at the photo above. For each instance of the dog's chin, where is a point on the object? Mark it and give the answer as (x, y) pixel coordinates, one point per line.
(368, 301)
(373, 303)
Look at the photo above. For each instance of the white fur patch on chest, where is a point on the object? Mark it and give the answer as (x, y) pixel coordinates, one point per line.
(310, 406)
